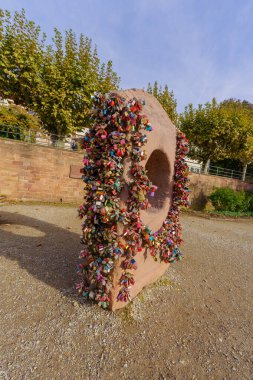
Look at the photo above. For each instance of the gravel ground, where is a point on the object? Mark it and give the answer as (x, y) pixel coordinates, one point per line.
(194, 323)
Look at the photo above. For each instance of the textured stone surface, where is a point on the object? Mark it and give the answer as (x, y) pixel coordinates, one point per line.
(160, 149)
(202, 185)
(32, 172)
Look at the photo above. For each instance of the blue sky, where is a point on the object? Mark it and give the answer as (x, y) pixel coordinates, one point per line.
(202, 49)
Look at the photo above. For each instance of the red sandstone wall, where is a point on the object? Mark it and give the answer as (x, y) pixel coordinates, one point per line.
(33, 172)
(202, 185)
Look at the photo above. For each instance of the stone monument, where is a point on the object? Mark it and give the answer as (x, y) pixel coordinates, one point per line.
(135, 182)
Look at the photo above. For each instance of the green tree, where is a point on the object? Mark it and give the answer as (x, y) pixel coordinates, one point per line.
(169, 103)
(155, 89)
(18, 116)
(17, 123)
(241, 113)
(55, 80)
(207, 132)
(219, 131)
(21, 54)
(166, 98)
(149, 88)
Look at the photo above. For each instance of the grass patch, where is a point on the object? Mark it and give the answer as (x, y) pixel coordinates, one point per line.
(220, 214)
(126, 315)
(234, 214)
(164, 281)
(134, 311)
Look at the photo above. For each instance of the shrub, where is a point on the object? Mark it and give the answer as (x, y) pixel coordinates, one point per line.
(225, 199)
(18, 116)
(17, 123)
(249, 200)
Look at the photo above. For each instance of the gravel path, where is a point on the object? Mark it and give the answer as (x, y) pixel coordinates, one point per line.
(195, 323)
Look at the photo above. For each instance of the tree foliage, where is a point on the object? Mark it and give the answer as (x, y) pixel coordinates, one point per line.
(206, 130)
(219, 131)
(18, 116)
(241, 113)
(55, 80)
(17, 123)
(166, 98)
(21, 57)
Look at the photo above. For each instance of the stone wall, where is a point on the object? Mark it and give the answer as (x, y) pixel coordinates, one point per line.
(202, 185)
(39, 173)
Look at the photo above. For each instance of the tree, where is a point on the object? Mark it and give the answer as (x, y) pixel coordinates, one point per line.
(166, 98)
(149, 88)
(207, 132)
(55, 80)
(21, 54)
(169, 103)
(17, 123)
(18, 116)
(241, 112)
(155, 89)
(219, 131)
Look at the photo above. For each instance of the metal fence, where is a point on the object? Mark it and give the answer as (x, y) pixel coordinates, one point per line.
(40, 138)
(195, 167)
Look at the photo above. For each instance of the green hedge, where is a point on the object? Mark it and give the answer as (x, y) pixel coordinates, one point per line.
(17, 123)
(225, 199)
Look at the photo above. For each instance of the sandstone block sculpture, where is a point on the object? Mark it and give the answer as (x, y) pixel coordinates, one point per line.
(135, 182)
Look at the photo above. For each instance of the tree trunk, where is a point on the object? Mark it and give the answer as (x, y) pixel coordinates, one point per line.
(207, 164)
(244, 171)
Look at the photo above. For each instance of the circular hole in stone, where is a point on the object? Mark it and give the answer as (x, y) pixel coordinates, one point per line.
(158, 171)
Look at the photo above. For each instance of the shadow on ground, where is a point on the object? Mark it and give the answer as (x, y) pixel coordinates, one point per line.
(48, 252)
(199, 201)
